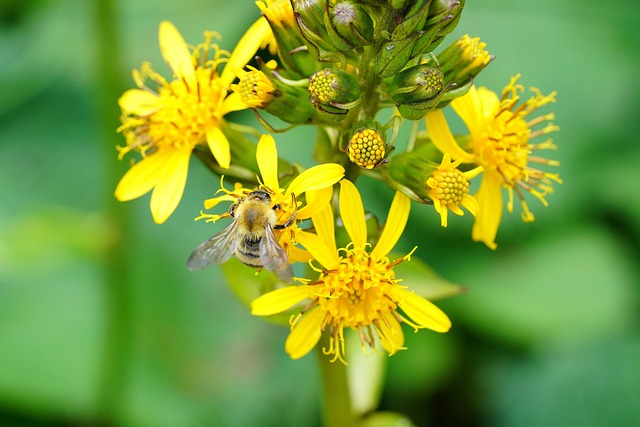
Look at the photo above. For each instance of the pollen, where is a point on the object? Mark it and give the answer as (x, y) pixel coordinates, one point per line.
(366, 148)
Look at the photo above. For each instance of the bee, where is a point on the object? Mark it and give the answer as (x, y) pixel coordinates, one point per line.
(249, 236)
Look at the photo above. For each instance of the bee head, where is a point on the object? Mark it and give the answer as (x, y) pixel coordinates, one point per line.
(260, 195)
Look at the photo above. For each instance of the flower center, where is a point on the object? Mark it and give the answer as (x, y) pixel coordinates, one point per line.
(449, 186)
(504, 145)
(356, 292)
(255, 89)
(188, 112)
(366, 148)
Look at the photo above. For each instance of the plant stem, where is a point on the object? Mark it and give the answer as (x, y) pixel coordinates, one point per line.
(112, 373)
(335, 389)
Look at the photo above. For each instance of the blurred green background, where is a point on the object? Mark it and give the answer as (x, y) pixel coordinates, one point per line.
(101, 323)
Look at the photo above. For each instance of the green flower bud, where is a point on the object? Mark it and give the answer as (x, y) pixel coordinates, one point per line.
(442, 19)
(418, 90)
(416, 84)
(366, 144)
(348, 25)
(309, 15)
(334, 92)
(411, 20)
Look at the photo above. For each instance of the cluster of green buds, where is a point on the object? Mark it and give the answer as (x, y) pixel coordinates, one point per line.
(340, 62)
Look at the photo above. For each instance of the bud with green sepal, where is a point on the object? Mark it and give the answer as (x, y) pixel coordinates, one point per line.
(443, 18)
(411, 20)
(418, 90)
(333, 92)
(309, 15)
(348, 25)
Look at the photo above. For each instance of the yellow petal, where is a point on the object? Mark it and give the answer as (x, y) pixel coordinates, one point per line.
(280, 300)
(489, 197)
(396, 221)
(352, 213)
(317, 200)
(142, 176)
(442, 138)
(245, 49)
(176, 53)
(233, 102)
(390, 333)
(267, 157)
(219, 146)
(326, 256)
(488, 101)
(172, 178)
(139, 102)
(315, 178)
(305, 334)
(324, 224)
(469, 109)
(421, 311)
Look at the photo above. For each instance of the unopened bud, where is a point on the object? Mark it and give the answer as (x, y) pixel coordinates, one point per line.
(442, 19)
(348, 25)
(416, 84)
(310, 17)
(334, 92)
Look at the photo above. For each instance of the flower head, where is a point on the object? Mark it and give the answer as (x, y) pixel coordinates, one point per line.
(449, 189)
(316, 183)
(166, 122)
(356, 287)
(501, 142)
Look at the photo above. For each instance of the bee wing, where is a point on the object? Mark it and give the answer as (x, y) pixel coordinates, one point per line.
(273, 257)
(215, 250)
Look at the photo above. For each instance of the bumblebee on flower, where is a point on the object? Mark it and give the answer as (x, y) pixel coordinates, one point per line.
(356, 287)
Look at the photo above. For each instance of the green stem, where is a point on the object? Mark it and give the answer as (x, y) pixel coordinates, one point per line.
(335, 389)
(116, 266)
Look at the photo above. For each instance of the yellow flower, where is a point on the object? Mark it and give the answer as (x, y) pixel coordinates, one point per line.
(449, 188)
(166, 123)
(356, 287)
(316, 183)
(501, 134)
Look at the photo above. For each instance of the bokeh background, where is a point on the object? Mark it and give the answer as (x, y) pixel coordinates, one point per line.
(101, 323)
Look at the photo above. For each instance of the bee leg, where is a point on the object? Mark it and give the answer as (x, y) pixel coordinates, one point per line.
(291, 218)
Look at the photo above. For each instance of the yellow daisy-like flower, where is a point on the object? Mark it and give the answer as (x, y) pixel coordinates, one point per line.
(165, 123)
(316, 183)
(449, 188)
(501, 142)
(356, 287)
